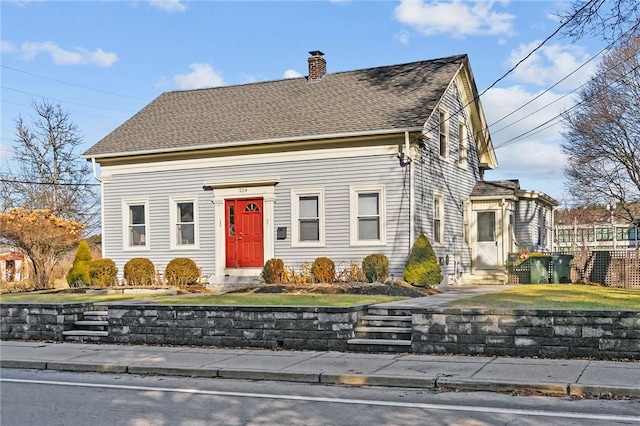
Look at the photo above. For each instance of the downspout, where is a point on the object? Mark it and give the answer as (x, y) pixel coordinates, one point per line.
(407, 148)
(95, 175)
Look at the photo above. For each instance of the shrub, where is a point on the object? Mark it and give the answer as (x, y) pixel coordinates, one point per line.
(139, 271)
(78, 275)
(182, 271)
(323, 270)
(422, 267)
(376, 267)
(350, 273)
(273, 271)
(103, 272)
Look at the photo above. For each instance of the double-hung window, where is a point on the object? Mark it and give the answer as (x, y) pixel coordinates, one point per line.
(136, 225)
(443, 127)
(438, 218)
(184, 223)
(368, 225)
(307, 218)
(462, 145)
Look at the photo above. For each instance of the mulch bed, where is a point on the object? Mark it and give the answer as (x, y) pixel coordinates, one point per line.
(387, 289)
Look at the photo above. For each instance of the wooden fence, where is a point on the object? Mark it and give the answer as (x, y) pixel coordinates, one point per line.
(612, 268)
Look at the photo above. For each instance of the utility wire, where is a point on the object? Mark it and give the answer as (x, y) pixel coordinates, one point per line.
(63, 101)
(27, 182)
(73, 84)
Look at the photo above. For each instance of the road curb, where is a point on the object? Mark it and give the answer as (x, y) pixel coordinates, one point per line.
(501, 386)
(173, 371)
(269, 375)
(26, 364)
(93, 368)
(377, 380)
(590, 390)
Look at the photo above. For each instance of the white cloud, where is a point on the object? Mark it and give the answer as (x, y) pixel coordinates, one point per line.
(201, 75)
(60, 56)
(457, 18)
(171, 6)
(550, 64)
(7, 47)
(402, 37)
(291, 74)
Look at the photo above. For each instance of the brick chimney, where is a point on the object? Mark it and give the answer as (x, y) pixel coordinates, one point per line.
(317, 66)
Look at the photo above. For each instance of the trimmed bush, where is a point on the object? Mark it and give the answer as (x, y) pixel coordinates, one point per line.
(103, 272)
(422, 267)
(273, 271)
(139, 271)
(78, 275)
(182, 271)
(376, 267)
(323, 270)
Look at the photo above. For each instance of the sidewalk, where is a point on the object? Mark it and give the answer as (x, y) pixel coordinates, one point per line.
(493, 374)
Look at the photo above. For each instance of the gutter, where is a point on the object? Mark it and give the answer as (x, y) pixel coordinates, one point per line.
(93, 157)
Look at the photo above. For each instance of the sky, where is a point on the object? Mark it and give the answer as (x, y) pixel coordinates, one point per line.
(103, 61)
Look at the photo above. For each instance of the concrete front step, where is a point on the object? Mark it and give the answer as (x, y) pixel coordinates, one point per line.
(96, 313)
(379, 345)
(400, 330)
(92, 323)
(91, 333)
(379, 342)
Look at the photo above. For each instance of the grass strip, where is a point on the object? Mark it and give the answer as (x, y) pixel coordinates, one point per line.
(70, 297)
(279, 299)
(556, 296)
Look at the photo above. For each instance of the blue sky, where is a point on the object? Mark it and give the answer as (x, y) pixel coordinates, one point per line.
(102, 61)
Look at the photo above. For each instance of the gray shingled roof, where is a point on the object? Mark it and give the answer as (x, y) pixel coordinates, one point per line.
(368, 100)
(496, 188)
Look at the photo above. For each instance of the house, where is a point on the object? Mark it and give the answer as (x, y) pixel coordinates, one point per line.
(13, 265)
(341, 165)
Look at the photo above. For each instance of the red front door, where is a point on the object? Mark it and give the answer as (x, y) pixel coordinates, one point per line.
(244, 240)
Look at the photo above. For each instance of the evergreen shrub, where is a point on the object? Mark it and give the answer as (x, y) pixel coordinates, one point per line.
(139, 271)
(103, 272)
(323, 270)
(422, 268)
(376, 267)
(182, 271)
(78, 275)
(273, 271)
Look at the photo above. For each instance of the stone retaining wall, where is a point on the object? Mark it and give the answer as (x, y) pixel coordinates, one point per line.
(295, 328)
(527, 333)
(35, 321)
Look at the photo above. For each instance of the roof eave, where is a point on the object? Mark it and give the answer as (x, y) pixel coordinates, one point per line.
(254, 142)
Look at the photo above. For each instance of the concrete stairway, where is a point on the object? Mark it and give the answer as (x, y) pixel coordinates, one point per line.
(91, 328)
(383, 330)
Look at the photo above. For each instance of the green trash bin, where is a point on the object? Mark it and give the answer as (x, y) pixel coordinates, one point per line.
(540, 268)
(561, 268)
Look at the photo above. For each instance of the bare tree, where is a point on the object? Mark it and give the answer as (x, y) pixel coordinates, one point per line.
(602, 133)
(606, 19)
(50, 174)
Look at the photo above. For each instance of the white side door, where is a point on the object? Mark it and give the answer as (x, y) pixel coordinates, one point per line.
(486, 242)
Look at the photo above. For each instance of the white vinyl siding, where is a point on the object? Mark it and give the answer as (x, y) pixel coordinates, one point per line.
(367, 215)
(135, 216)
(184, 223)
(307, 218)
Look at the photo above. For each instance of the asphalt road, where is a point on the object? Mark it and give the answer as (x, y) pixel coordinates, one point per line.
(36, 397)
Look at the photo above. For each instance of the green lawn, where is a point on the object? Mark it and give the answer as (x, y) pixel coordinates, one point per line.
(556, 296)
(47, 297)
(280, 299)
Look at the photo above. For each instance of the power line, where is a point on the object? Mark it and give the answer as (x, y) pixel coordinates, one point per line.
(26, 182)
(63, 101)
(74, 84)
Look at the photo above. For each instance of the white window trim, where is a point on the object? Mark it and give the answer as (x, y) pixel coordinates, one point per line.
(173, 218)
(126, 244)
(446, 133)
(353, 214)
(463, 145)
(438, 195)
(295, 216)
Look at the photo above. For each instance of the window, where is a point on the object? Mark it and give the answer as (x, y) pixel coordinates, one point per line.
(604, 234)
(307, 217)
(565, 235)
(367, 215)
(585, 235)
(184, 233)
(136, 225)
(541, 227)
(444, 134)
(462, 145)
(438, 217)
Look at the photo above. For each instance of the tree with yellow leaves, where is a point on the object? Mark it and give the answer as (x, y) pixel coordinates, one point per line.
(42, 236)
